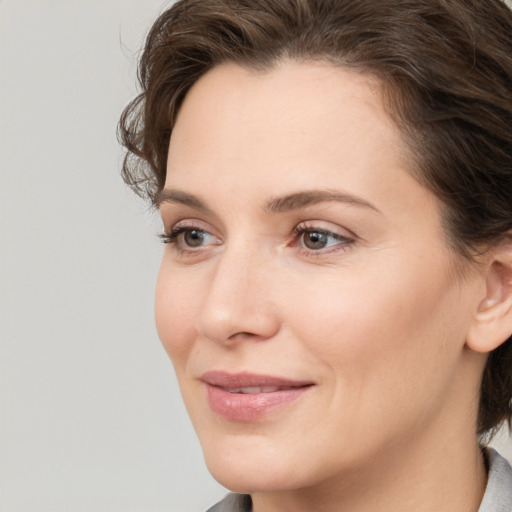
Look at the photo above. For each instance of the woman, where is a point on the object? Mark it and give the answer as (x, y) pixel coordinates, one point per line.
(335, 185)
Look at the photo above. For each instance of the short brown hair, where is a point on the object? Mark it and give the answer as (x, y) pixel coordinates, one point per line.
(446, 71)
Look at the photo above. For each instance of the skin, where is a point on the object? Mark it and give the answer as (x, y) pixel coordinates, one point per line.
(378, 320)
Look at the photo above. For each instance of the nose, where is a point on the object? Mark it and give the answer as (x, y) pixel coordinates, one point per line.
(238, 304)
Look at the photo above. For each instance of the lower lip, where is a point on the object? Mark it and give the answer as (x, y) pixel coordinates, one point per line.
(247, 407)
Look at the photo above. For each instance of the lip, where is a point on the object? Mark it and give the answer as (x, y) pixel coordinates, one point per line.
(247, 397)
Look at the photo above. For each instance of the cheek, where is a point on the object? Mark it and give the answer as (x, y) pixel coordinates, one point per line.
(175, 313)
(380, 326)
(379, 346)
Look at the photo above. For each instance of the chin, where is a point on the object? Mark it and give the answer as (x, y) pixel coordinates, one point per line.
(248, 477)
(248, 469)
(238, 466)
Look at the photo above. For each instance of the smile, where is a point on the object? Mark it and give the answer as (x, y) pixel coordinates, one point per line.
(255, 389)
(248, 397)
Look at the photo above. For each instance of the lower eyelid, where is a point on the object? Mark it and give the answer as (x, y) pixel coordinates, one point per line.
(330, 250)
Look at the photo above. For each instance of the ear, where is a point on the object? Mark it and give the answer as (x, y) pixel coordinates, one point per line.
(492, 322)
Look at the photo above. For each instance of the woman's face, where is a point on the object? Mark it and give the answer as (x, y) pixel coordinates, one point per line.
(307, 296)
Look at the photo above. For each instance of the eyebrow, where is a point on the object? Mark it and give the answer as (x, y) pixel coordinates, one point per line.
(179, 197)
(290, 202)
(305, 198)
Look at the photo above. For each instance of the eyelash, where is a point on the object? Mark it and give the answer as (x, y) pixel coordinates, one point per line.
(299, 231)
(176, 232)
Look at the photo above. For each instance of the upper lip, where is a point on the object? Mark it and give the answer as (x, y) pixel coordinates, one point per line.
(224, 379)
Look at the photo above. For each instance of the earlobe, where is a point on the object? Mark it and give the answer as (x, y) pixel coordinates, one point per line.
(492, 322)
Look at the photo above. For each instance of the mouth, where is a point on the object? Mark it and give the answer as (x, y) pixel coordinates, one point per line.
(251, 390)
(246, 397)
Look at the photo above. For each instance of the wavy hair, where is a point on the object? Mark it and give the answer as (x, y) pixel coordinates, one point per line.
(446, 71)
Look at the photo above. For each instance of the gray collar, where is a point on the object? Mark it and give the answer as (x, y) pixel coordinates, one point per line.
(498, 493)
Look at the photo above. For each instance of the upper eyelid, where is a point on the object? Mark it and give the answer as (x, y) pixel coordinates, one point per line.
(172, 213)
(319, 225)
(188, 223)
(325, 226)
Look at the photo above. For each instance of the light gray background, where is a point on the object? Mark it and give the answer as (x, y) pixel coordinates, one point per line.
(91, 415)
(91, 418)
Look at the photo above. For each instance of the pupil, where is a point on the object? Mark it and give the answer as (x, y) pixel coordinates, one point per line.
(315, 240)
(194, 238)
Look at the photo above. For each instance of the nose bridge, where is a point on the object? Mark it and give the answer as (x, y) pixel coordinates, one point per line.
(237, 301)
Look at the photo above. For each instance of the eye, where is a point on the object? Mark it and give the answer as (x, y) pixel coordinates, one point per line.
(194, 237)
(185, 238)
(316, 239)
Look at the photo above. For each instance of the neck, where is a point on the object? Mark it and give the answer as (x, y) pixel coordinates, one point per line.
(446, 477)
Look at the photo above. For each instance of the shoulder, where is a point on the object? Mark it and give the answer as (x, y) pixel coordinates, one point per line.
(233, 503)
(498, 493)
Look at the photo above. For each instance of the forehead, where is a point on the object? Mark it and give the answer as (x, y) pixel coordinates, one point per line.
(295, 116)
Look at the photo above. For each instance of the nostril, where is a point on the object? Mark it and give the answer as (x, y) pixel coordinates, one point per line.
(244, 334)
